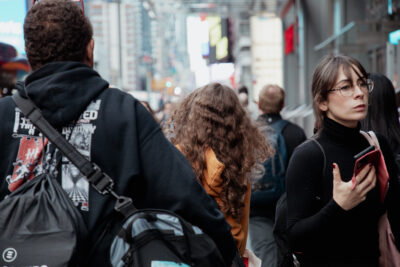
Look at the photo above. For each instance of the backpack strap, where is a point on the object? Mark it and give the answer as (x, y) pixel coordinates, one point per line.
(93, 174)
(279, 125)
(314, 140)
(322, 150)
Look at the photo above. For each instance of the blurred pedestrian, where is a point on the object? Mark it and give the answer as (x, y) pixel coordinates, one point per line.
(213, 132)
(382, 116)
(165, 113)
(248, 105)
(149, 109)
(331, 221)
(284, 136)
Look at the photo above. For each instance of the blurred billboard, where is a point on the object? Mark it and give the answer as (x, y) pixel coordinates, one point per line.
(220, 44)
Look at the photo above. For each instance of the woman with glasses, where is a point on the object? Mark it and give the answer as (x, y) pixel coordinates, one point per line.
(331, 221)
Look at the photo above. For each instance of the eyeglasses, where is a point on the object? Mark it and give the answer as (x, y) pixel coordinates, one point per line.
(79, 2)
(366, 85)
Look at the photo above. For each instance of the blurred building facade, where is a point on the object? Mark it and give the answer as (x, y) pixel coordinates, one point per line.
(142, 45)
(313, 29)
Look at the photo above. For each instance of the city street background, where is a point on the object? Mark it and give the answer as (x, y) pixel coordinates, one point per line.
(161, 50)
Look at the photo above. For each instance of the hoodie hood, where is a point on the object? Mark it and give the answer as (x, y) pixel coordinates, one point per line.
(62, 90)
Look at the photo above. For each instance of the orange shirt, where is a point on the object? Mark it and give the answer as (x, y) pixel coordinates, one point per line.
(212, 184)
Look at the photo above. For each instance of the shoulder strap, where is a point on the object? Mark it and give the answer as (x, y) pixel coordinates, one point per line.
(314, 140)
(94, 175)
(372, 139)
(279, 125)
(323, 152)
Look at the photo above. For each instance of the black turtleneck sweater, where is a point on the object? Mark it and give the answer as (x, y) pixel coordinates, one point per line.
(318, 227)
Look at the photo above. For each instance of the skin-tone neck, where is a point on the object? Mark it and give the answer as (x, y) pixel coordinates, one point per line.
(89, 58)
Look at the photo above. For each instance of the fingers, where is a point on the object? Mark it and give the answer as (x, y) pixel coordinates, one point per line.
(336, 173)
(362, 174)
(372, 185)
(368, 182)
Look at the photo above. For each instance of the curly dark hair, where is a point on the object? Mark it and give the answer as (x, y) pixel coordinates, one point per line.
(211, 117)
(56, 30)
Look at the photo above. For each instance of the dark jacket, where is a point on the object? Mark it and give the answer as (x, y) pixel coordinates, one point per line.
(117, 133)
(293, 135)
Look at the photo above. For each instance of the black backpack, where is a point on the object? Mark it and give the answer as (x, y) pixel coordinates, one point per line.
(162, 238)
(286, 256)
(147, 238)
(40, 226)
(269, 188)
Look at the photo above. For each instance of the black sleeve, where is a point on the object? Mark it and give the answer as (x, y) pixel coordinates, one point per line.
(293, 136)
(307, 224)
(171, 185)
(392, 199)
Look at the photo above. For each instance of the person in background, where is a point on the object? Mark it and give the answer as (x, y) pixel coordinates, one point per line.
(165, 113)
(331, 221)
(120, 136)
(249, 106)
(149, 109)
(243, 99)
(213, 132)
(270, 104)
(272, 184)
(382, 116)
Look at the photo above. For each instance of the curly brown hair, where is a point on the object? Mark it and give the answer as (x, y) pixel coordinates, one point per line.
(56, 30)
(211, 117)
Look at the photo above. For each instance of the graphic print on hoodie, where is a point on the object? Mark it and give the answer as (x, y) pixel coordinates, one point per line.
(31, 160)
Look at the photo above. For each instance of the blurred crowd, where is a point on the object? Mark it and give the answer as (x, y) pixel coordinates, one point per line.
(249, 178)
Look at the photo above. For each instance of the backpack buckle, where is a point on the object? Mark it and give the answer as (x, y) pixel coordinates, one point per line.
(100, 180)
(124, 205)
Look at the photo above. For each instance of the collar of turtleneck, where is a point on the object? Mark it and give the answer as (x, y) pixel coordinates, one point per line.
(340, 133)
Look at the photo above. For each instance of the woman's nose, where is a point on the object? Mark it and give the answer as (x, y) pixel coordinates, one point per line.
(358, 91)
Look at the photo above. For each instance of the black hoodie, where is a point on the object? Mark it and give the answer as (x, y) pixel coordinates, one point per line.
(117, 133)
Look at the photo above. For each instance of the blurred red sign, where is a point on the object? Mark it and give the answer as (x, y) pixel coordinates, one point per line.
(289, 39)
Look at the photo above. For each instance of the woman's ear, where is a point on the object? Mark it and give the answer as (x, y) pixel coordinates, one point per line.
(323, 106)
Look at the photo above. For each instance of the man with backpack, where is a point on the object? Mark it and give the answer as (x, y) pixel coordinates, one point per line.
(284, 136)
(109, 127)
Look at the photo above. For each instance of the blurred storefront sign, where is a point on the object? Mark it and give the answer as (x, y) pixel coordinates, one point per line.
(158, 84)
(289, 39)
(266, 50)
(220, 48)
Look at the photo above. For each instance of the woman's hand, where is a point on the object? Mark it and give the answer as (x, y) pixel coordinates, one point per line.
(348, 196)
